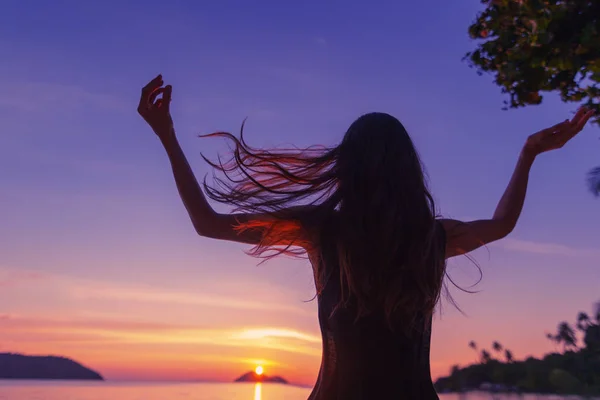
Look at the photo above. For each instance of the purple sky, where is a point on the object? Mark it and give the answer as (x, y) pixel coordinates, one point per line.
(90, 213)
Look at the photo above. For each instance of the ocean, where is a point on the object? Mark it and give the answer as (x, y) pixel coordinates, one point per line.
(70, 390)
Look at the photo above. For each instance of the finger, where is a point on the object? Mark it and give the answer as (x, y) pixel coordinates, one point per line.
(579, 125)
(579, 114)
(152, 97)
(147, 90)
(166, 99)
(576, 127)
(153, 84)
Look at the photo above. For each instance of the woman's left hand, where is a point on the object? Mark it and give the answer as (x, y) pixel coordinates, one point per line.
(156, 112)
(557, 136)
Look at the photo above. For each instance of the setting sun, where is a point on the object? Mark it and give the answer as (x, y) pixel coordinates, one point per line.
(259, 370)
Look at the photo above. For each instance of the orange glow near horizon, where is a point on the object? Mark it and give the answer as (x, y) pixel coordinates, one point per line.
(146, 351)
(169, 338)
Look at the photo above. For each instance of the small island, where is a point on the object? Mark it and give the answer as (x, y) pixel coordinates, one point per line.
(19, 366)
(254, 376)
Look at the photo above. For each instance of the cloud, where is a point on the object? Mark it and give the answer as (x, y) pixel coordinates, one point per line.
(86, 332)
(12, 278)
(244, 296)
(275, 332)
(30, 323)
(56, 97)
(545, 248)
(157, 295)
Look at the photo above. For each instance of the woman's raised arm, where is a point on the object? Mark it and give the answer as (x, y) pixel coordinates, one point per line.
(464, 237)
(207, 222)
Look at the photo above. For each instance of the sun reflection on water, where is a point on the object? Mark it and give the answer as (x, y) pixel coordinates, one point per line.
(258, 391)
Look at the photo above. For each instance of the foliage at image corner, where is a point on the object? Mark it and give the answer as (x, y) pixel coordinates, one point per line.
(537, 46)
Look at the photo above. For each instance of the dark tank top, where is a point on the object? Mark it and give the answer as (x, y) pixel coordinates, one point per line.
(364, 359)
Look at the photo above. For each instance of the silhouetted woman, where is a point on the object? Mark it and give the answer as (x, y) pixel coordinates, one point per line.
(363, 214)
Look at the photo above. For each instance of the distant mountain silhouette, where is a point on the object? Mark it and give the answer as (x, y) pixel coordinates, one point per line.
(254, 377)
(18, 366)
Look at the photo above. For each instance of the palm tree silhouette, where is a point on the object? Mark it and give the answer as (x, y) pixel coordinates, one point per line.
(497, 347)
(554, 339)
(508, 355)
(473, 345)
(485, 356)
(591, 338)
(594, 181)
(583, 321)
(566, 334)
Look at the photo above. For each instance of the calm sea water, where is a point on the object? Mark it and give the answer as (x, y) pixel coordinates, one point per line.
(65, 390)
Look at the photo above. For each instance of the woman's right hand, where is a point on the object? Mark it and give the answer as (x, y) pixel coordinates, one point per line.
(557, 136)
(155, 111)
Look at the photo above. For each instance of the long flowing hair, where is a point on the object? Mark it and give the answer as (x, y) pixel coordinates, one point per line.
(370, 189)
